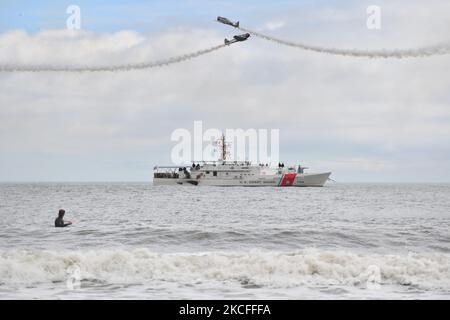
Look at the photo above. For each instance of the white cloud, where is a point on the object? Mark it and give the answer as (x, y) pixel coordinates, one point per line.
(274, 25)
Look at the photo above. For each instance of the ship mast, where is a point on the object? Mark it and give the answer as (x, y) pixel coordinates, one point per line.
(223, 148)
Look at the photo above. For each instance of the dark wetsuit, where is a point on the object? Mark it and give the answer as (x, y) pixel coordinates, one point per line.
(59, 222)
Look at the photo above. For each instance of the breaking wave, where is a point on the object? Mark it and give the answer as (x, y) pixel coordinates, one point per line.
(258, 268)
(435, 50)
(112, 68)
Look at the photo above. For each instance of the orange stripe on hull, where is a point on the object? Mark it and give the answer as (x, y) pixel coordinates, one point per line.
(288, 179)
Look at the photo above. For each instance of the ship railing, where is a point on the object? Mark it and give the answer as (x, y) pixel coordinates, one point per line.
(224, 162)
(201, 163)
(166, 175)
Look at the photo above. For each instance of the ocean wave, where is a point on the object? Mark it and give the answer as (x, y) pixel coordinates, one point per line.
(256, 268)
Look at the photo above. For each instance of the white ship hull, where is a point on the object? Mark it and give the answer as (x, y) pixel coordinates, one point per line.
(294, 180)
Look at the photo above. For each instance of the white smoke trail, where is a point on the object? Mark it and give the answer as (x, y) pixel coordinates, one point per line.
(112, 68)
(399, 54)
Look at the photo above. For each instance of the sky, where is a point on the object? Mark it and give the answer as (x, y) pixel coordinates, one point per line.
(366, 120)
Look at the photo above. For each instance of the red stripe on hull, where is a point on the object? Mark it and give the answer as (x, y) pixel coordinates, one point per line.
(288, 179)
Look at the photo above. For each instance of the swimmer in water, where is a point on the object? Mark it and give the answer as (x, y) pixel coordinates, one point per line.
(59, 222)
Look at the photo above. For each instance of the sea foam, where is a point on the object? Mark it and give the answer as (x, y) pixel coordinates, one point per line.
(428, 271)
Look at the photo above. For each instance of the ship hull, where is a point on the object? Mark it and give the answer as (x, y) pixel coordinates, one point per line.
(299, 180)
(312, 180)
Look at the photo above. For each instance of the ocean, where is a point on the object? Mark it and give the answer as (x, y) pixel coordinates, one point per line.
(138, 241)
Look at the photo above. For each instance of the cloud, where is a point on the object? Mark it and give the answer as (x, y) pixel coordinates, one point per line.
(391, 116)
(274, 25)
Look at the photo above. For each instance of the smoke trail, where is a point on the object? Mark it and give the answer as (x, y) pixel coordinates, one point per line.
(399, 54)
(113, 68)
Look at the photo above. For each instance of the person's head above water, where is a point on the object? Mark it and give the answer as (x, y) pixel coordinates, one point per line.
(61, 212)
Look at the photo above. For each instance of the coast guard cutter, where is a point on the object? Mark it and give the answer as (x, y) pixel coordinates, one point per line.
(235, 173)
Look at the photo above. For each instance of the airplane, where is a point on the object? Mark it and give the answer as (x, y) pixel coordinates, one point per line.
(237, 38)
(226, 21)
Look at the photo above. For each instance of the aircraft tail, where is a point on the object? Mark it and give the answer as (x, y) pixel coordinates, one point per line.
(227, 41)
(237, 24)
